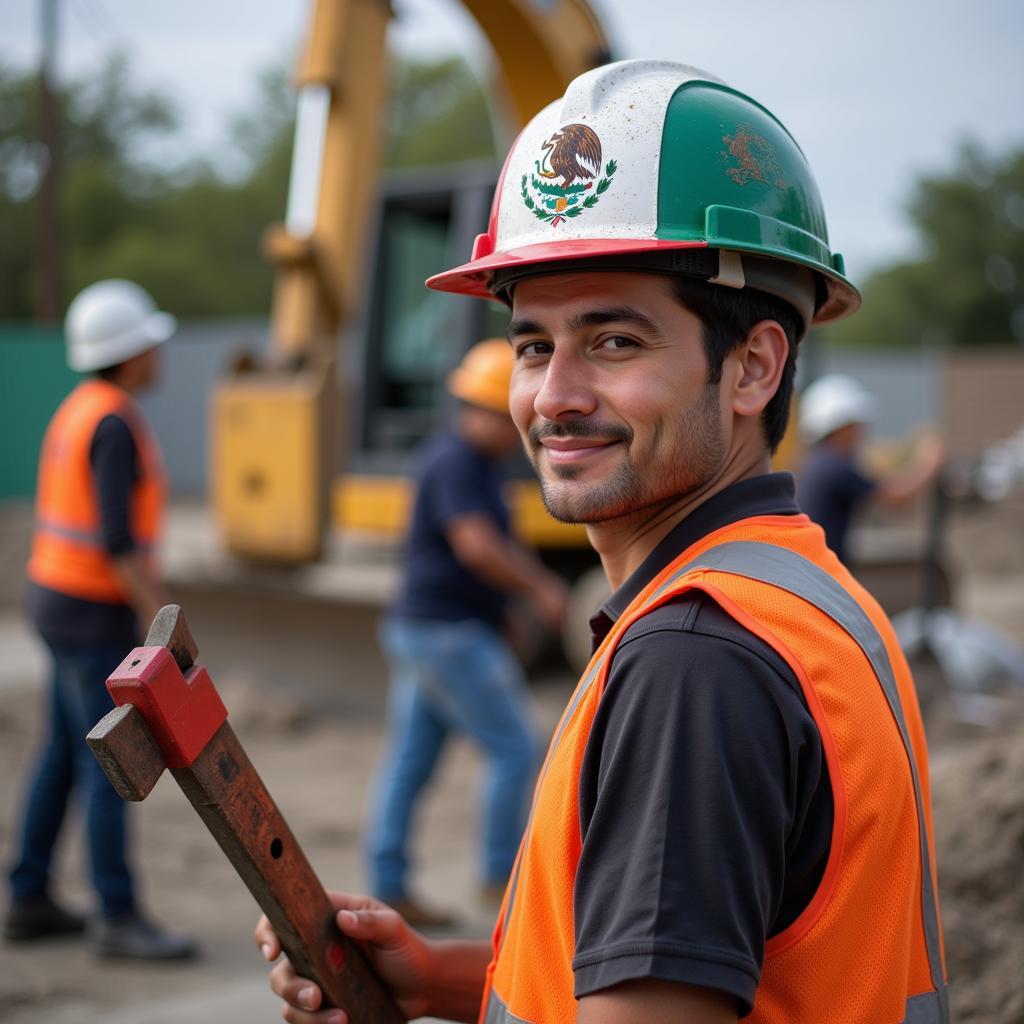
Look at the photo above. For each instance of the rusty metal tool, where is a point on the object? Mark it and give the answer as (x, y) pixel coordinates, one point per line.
(169, 715)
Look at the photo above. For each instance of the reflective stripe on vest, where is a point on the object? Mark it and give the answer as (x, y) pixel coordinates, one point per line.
(928, 1008)
(786, 569)
(794, 573)
(498, 1013)
(87, 538)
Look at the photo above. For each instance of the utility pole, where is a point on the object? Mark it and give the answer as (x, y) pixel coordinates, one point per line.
(48, 299)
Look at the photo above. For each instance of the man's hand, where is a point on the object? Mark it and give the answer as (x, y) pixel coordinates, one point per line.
(424, 977)
(930, 452)
(551, 599)
(399, 955)
(906, 483)
(145, 593)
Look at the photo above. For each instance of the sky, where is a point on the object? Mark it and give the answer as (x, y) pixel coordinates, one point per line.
(877, 92)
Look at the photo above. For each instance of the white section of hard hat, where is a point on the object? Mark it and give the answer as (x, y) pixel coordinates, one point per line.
(625, 105)
(111, 321)
(831, 402)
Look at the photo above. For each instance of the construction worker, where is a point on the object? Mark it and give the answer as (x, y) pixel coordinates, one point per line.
(92, 580)
(451, 668)
(733, 818)
(834, 412)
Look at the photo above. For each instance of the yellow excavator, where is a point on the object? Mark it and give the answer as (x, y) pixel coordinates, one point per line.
(298, 447)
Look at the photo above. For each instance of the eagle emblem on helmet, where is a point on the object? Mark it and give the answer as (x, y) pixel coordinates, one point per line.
(562, 184)
(754, 159)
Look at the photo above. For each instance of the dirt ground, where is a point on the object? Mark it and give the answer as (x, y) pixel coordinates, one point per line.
(318, 764)
(319, 769)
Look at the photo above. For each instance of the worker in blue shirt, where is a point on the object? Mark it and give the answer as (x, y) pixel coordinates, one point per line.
(832, 486)
(452, 669)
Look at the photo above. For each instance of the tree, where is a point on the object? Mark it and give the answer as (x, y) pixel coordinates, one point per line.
(967, 289)
(439, 115)
(187, 233)
(190, 233)
(104, 123)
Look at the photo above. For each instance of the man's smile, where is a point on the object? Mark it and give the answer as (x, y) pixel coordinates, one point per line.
(566, 450)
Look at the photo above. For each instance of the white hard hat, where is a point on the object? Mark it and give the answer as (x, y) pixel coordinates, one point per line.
(832, 402)
(111, 321)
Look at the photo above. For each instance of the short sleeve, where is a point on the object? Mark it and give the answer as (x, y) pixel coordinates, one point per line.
(457, 485)
(702, 764)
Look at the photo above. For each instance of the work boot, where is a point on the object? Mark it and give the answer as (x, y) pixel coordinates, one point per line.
(38, 917)
(130, 936)
(420, 916)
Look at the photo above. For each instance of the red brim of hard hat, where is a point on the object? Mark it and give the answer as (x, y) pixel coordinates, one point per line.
(473, 278)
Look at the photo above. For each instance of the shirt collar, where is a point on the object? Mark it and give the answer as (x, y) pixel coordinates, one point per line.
(773, 494)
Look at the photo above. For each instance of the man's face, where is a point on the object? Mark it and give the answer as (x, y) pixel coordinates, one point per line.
(610, 394)
(493, 432)
(145, 369)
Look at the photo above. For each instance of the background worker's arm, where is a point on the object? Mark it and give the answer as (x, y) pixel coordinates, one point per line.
(145, 593)
(114, 463)
(656, 1002)
(498, 560)
(902, 485)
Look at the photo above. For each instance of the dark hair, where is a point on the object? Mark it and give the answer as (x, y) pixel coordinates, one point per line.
(726, 316)
(109, 372)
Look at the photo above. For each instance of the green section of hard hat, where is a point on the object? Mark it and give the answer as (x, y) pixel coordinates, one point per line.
(732, 176)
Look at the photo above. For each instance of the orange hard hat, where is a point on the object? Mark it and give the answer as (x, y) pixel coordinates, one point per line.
(483, 376)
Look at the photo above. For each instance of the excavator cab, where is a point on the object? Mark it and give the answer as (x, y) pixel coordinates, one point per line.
(412, 339)
(319, 434)
(414, 336)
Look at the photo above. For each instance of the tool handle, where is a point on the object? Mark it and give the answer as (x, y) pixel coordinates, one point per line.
(230, 797)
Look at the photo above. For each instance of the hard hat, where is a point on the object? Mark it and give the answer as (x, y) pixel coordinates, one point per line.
(832, 402)
(653, 165)
(483, 376)
(111, 321)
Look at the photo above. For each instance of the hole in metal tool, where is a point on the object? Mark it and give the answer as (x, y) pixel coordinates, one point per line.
(276, 848)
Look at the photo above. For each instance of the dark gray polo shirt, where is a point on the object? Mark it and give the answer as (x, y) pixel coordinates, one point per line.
(705, 803)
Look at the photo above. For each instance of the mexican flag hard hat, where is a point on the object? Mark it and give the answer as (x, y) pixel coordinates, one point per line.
(659, 165)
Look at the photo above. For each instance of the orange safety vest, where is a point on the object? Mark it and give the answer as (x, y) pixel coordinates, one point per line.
(67, 547)
(868, 948)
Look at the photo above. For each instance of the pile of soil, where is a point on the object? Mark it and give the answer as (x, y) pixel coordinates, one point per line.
(978, 801)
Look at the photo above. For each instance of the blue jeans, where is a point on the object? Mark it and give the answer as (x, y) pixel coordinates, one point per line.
(449, 676)
(78, 699)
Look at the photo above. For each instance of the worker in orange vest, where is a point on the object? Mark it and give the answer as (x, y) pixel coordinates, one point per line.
(100, 499)
(733, 819)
